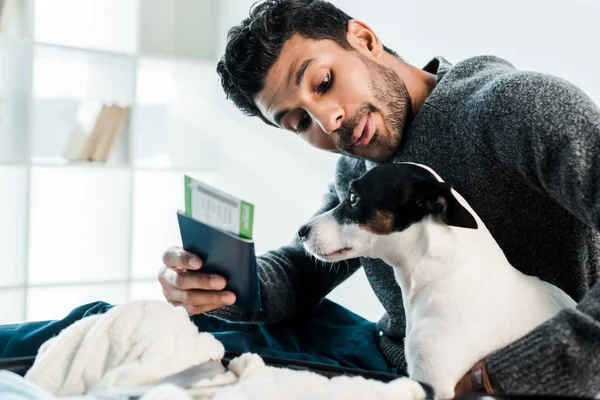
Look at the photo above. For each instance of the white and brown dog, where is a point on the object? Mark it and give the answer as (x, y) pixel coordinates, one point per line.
(462, 298)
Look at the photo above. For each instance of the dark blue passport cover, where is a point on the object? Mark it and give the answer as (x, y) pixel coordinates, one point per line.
(226, 254)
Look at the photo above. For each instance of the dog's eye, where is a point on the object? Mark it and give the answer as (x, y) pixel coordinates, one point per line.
(353, 199)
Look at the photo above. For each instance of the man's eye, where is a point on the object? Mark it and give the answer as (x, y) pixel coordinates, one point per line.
(303, 123)
(325, 84)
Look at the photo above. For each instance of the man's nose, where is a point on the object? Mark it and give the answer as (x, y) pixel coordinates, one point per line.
(331, 119)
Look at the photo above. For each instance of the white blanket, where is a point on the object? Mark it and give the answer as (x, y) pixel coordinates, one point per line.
(140, 342)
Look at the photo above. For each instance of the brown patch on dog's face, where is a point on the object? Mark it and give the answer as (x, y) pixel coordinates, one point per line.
(381, 223)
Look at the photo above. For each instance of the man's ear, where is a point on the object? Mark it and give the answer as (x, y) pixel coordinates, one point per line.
(437, 198)
(361, 37)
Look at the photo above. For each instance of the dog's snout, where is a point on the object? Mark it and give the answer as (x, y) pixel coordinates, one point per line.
(304, 231)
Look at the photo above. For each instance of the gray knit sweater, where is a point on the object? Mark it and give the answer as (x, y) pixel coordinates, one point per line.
(524, 149)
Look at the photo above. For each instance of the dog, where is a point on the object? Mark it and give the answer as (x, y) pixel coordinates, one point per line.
(462, 298)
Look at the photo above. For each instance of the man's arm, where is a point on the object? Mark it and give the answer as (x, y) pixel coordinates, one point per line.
(547, 132)
(291, 281)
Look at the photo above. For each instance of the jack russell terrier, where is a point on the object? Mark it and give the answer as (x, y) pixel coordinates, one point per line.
(462, 298)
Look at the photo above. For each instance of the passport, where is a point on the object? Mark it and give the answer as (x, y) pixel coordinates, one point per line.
(218, 228)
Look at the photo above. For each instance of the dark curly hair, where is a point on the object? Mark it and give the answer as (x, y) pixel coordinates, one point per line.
(254, 45)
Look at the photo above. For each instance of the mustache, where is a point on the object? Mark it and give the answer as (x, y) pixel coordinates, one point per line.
(347, 128)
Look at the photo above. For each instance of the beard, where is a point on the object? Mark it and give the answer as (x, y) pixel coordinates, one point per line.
(395, 106)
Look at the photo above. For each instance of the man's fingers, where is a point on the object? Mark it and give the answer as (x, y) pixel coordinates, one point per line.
(192, 280)
(195, 291)
(176, 257)
(200, 298)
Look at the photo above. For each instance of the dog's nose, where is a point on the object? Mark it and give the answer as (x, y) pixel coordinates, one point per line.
(303, 231)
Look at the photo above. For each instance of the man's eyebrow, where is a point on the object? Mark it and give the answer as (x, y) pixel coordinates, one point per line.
(299, 76)
(302, 70)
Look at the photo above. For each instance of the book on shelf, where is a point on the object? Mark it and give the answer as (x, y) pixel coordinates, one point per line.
(97, 129)
(218, 228)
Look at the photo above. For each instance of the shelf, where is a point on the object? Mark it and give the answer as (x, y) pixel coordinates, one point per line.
(84, 24)
(65, 85)
(15, 163)
(79, 231)
(177, 28)
(22, 41)
(28, 43)
(67, 284)
(62, 163)
(15, 86)
(79, 224)
(13, 214)
(83, 50)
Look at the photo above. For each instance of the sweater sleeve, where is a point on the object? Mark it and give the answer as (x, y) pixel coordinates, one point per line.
(292, 282)
(546, 131)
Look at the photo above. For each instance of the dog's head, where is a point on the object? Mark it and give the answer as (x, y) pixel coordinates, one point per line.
(387, 199)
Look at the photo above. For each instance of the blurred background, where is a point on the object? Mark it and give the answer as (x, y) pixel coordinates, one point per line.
(74, 231)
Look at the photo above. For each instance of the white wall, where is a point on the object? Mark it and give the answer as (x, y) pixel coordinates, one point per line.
(557, 37)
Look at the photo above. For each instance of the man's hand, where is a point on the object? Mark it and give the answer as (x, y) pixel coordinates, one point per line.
(184, 284)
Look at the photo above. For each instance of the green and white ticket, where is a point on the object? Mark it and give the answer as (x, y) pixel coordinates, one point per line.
(218, 209)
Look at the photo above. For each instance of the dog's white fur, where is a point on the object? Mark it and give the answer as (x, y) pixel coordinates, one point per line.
(462, 298)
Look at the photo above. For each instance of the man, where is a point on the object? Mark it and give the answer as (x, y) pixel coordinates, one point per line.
(521, 147)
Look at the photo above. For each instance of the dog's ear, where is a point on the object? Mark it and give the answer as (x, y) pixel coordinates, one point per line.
(437, 198)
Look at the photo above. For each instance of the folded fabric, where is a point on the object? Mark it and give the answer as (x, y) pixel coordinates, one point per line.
(136, 345)
(249, 378)
(258, 381)
(132, 344)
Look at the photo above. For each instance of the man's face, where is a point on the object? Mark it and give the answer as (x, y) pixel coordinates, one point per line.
(339, 100)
